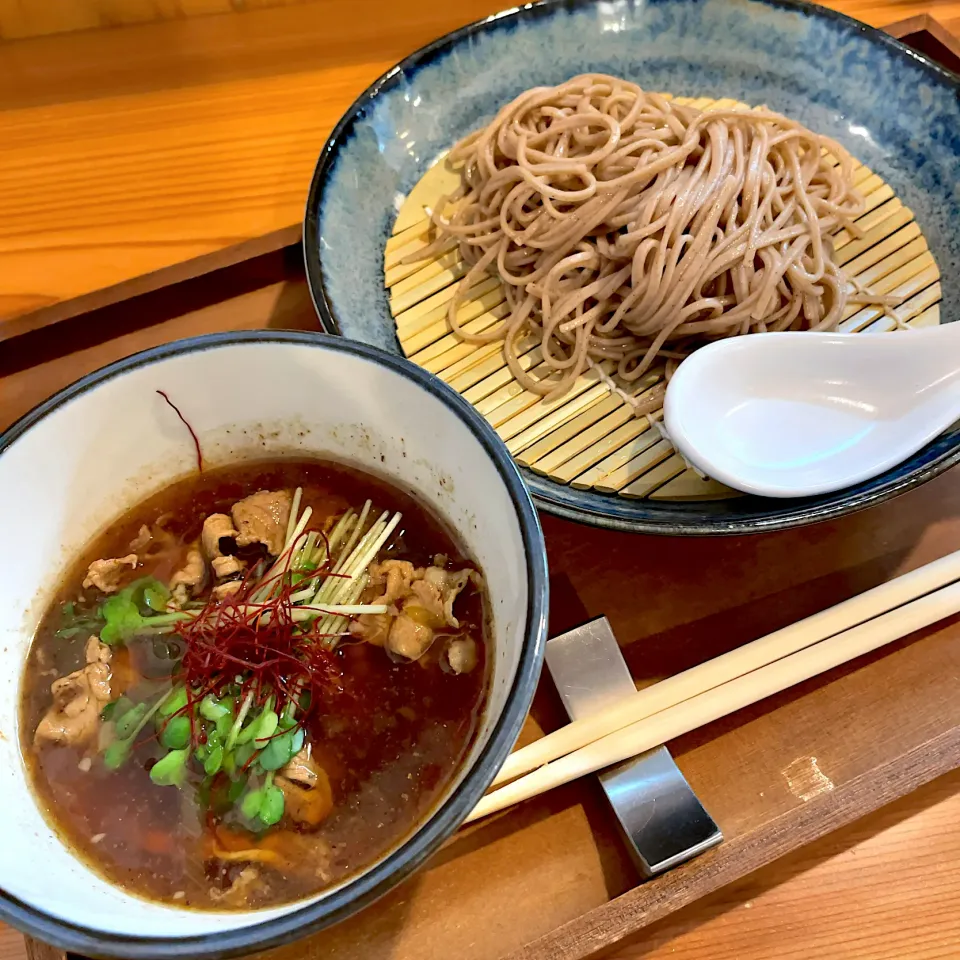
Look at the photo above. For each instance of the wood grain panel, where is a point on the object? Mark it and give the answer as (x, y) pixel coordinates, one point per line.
(12, 944)
(884, 888)
(129, 150)
(20, 18)
(194, 137)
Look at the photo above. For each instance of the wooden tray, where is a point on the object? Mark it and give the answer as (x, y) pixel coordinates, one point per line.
(556, 881)
(551, 880)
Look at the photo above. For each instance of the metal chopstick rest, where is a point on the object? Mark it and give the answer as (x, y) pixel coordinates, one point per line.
(663, 822)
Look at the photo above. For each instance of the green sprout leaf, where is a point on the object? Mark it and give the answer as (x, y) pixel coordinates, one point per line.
(279, 751)
(243, 753)
(175, 702)
(266, 728)
(250, 805)
(235, 790)
(246, 734)
(271, 806)
(120, 706)
(214, 761)
(214, 710)
(155, 595)
(129, 720)
(224, 726)
(107, 713)
(261, 728)
(124, 616)
(128, 723)
(175, 734)
(73, 622)
(117, 754)
(170, 770)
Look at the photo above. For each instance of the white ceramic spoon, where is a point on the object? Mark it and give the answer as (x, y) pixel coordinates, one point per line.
(796, 414)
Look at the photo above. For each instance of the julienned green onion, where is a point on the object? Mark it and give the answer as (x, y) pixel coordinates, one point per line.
(305, 612)
(238, 722)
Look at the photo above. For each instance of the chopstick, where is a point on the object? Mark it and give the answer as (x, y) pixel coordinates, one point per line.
(751, 656)
(718, 701)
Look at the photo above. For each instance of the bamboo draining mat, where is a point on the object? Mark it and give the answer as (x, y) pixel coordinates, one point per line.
(590, 438)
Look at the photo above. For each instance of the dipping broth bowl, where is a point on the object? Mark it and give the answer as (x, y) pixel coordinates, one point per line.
(81, 459)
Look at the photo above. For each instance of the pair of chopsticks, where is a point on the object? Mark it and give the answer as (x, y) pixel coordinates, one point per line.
(730, 682)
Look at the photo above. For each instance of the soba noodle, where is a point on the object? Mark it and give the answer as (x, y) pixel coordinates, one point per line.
(628, 228)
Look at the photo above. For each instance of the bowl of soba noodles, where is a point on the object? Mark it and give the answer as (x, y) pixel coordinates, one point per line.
(273, 614)
(552, 208)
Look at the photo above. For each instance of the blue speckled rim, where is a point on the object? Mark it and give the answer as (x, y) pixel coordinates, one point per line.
(399, 864)
(747, 514)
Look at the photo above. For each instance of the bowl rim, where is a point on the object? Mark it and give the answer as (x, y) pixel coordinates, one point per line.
(410, 854)
(609, 511)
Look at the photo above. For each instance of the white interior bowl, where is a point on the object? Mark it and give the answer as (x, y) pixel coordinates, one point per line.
(84, 457)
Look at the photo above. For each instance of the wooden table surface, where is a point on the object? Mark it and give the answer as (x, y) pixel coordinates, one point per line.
(130, 150)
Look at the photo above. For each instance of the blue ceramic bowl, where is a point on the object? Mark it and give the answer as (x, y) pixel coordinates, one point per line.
(895, 111)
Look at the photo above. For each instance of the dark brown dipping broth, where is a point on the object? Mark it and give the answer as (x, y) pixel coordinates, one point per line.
(390, 742)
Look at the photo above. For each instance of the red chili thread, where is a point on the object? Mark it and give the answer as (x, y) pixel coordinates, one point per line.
(193, 436)
(282, 657)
